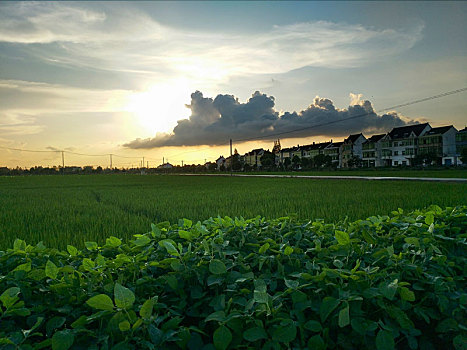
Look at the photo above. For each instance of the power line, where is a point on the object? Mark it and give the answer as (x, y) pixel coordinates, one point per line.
(355, 116)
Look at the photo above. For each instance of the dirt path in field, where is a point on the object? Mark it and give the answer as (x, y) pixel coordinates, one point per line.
(341, 177)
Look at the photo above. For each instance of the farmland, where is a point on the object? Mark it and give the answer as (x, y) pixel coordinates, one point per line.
(61, 210)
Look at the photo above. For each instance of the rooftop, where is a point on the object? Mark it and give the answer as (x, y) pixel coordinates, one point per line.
(405, 131)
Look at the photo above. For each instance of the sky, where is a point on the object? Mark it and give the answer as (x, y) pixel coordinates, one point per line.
(179, 79)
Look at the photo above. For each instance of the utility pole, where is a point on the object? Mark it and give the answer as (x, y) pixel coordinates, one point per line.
(143, 163)
(182, 163)
(231, 159)
(163, 161)
(110, 161)
(147, 164)
(63, 162)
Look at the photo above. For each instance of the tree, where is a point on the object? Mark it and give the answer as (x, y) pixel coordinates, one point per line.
(306, 163)
(287, 163)
(322, 160)
(355, 162)
(296, 161)
(268, 160)
(464, 155)
(236, 163)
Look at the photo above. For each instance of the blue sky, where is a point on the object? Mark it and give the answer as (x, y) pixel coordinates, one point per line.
(114, 77)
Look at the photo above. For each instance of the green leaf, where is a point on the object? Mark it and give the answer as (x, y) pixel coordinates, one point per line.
(413, 240)
(389, 290)
(62, 340)
(101, 302)
(285, 334)
(263, 248)
(91, 245)
(344, 317)
(53, 324)
(113, 242)
(447, 325)
(254, 334)
(146, 310)
(124, 298)
(72, 250)
(316, 343)
(222, 338)
(216, 316)
(429, 218)
(124, 326)
(141, 241)
(406, 294)
(342, 237)
(217, 267)
(51, 270)
(10, 297)
(19, 244)
(288, 250)
(384, 340)
(313, 326)
(169, 247)
(460, 342)
(327, 306)
(24, 267)
(185, 235)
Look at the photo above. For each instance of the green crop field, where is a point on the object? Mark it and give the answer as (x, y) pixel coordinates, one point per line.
(61, 210)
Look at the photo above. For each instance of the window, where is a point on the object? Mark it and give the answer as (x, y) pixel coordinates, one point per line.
(396, 162)
(404, 162)
(396, 153)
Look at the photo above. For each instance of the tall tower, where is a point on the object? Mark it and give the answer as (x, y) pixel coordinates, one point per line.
(277, 146)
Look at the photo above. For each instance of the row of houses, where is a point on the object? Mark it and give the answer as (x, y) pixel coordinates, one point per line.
(400, 147)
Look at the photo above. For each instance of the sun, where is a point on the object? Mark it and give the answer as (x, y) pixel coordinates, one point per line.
(158, 108)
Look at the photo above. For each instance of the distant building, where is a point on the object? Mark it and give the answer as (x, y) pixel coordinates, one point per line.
(372, 151)
(404, 142)
(352, 147)
(220, 161)
(461, 144)
(165, 166)
(440, 143)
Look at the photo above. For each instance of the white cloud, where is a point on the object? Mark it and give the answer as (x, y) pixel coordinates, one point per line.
(130, 41)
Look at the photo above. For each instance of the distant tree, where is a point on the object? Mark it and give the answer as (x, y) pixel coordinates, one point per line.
(222, 167)
(322, 160)
(355, 162)
(268, 160)
(296, 161)
(306, 163)
(247, 167)
(236, 163)
(212, 166)
(287, 163)
(464, 155)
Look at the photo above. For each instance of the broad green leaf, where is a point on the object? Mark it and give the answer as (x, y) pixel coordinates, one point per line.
(389, 289)
(254, 334)
(316, 343)
(72, 250)
(23, 267)
(344, 317)
(146, 310)
(169, 247)
(217, 267)
(62, 340)
(429, 218)
(406, 294)
(185, 235)
(413, 240)
(342, 237)
(141, 241)
(10, 297)
(222, 338)
(101, 302)
(460, 342)
(447, 325)
(327, 306)
(263, 248)
(285, 334)
(313, 326)
(113, 242)
(19, 244)
(384, 340)
(216, 316)
(124, 326)
(91, 245)
(288, 250)
(53, 324)
(51, 270)
(124, 298)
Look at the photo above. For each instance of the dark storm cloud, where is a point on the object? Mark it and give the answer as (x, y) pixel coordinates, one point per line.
(214, 122)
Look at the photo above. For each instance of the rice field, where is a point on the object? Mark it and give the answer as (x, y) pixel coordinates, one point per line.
(61, 210)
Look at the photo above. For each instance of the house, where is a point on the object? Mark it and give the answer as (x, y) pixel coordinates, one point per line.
(461, 144)
(253, 158)
(285, 153)
(404, 142)
(333, 150)
(372, 151)
(311, 151)
(352, 147)
(220, 162)
(165, 166)
(440, 143)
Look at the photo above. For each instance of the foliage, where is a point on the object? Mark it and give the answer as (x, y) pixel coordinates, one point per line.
(268, 160)
(380, 283)
(61, 210)
(355, 162)
(322, 160)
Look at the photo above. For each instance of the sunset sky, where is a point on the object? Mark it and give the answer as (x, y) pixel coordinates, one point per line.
(178, 79)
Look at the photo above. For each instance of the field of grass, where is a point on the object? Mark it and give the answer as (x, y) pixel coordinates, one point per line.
(61, 210)
(443, 173)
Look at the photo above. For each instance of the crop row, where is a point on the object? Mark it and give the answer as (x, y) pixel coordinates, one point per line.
(386, 282)
(60, 210)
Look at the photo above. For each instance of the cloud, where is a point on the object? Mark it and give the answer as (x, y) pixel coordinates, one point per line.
(215, 121)
(121, 38)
